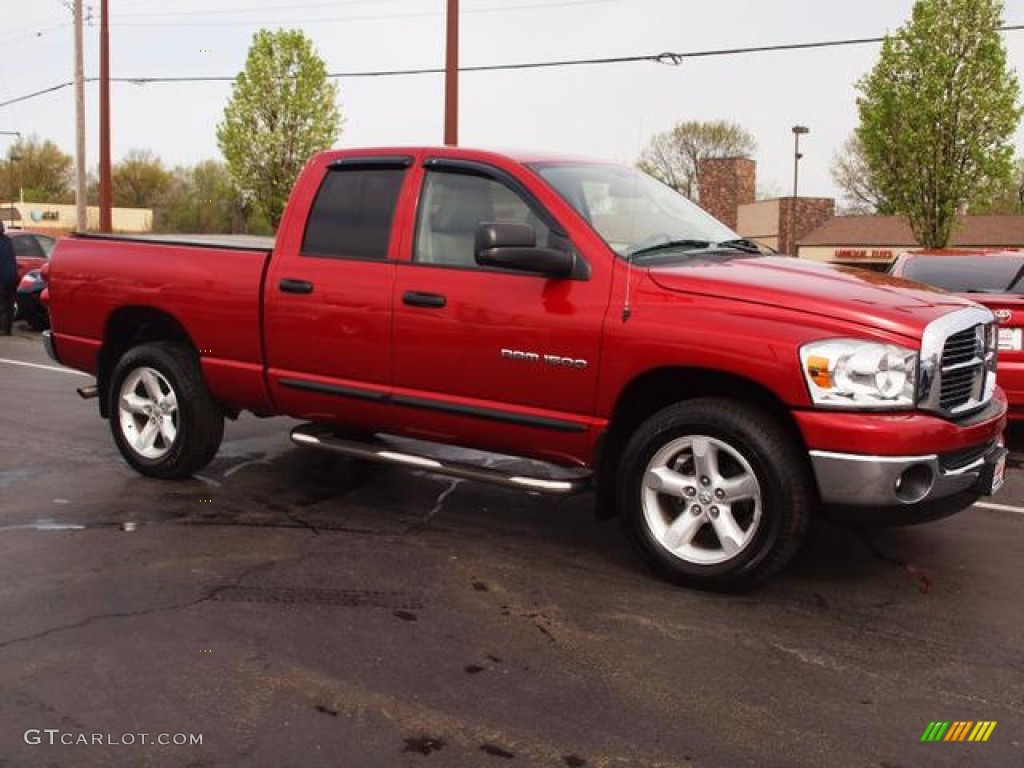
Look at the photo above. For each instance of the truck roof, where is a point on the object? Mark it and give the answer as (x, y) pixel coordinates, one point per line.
(465, 153)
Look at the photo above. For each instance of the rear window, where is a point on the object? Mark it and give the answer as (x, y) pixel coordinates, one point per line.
(27, 247)
(351, 216)
(968, 274)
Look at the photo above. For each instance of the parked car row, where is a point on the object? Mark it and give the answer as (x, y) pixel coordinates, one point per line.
(31, 251)
(992, 278)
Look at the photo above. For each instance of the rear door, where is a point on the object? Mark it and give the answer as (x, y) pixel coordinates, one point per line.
(328, 292)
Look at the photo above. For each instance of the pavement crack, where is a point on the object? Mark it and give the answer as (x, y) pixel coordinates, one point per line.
(103, 617)
(438, 506)
(924, 582)
(208, 595)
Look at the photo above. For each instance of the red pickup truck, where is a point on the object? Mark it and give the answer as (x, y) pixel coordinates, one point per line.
(575, 313)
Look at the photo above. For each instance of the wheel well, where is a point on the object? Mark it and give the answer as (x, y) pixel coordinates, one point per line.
(127, 328)
(655, 390)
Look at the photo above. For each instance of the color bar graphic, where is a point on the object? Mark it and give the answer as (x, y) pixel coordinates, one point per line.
(958, 730)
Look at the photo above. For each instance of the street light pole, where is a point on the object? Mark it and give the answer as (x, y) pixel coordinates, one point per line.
(798, 131)
(451, 77)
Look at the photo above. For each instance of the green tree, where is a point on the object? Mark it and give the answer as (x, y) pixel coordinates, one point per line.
(283, 108)
(674, 156)
(1002, 197)
(139, 180)
(937, 113)
(199, 199)
(38, 169)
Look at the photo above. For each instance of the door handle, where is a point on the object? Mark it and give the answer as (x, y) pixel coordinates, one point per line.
(287, 285)
(418, 299)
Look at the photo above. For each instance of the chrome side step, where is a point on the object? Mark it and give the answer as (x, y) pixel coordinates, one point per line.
(88, 393)
(568, 482)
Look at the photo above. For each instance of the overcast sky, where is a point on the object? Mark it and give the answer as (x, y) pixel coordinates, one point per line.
(607, 111)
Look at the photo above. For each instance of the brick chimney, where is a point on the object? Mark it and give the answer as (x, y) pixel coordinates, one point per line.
(726, 183)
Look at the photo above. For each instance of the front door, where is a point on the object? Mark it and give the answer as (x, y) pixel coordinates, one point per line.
(491, 357)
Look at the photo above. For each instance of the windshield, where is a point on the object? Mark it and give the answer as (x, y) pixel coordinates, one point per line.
(632, 211)
(968, 274)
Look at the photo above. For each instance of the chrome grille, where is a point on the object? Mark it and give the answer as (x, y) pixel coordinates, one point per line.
(958, 363)
(963, 369)
(961, 347)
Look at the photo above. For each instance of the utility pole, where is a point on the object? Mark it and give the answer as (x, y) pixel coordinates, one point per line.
(451, 77)
(106, 218)
(81, 215)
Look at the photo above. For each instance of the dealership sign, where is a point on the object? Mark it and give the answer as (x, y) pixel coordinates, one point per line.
(863, 254)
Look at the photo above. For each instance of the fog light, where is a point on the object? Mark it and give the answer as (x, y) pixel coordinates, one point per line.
(914, 483)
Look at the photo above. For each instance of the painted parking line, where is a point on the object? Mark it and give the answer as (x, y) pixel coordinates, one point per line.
(1000, 507)
(58, 369)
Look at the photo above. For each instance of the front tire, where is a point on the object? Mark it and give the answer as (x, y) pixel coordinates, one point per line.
(162, 417)
(714, 494)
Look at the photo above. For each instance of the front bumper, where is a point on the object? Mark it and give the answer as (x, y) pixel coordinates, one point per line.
(900, 489)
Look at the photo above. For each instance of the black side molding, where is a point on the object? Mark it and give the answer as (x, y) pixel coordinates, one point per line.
(406, 401)
(332, 389)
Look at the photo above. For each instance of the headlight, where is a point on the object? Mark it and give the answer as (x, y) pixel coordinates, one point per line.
(850, 373)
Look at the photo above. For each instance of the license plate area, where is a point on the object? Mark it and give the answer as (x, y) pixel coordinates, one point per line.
(994, 473)
(1010, 339)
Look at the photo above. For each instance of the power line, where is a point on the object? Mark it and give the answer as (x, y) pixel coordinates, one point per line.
(310, 6)
(667, 57)
(344, 19)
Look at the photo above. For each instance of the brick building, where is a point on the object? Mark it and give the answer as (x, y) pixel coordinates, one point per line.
(727, 191)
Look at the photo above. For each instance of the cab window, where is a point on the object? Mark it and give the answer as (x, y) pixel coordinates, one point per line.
(352, 214)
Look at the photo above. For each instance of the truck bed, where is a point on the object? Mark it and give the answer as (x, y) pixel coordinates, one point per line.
(209, 286)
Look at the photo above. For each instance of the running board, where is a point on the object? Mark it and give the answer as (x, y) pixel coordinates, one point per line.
(317, 436)
(88, 393)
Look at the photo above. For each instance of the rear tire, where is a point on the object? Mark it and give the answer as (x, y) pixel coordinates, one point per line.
(162, 417)
(714, 494)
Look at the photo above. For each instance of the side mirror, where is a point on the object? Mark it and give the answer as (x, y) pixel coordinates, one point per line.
(514, 246)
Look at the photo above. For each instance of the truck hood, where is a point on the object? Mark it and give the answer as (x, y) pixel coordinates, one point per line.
(845, 293)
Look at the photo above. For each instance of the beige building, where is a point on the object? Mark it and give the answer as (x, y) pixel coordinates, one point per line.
(874, 241)
(57, 219)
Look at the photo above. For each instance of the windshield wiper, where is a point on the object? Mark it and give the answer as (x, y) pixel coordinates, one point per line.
(740, 244)
(668, 245)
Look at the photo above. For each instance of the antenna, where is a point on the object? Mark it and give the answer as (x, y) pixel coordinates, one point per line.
(627, 304)
(627, 308)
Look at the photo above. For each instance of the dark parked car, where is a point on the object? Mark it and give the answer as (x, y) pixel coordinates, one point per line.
(28, 306)
(992, 278)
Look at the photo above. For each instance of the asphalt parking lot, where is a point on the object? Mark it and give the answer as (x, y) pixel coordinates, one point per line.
(289, 609)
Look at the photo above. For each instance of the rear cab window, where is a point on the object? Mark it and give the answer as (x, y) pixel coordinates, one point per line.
(353, 211)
